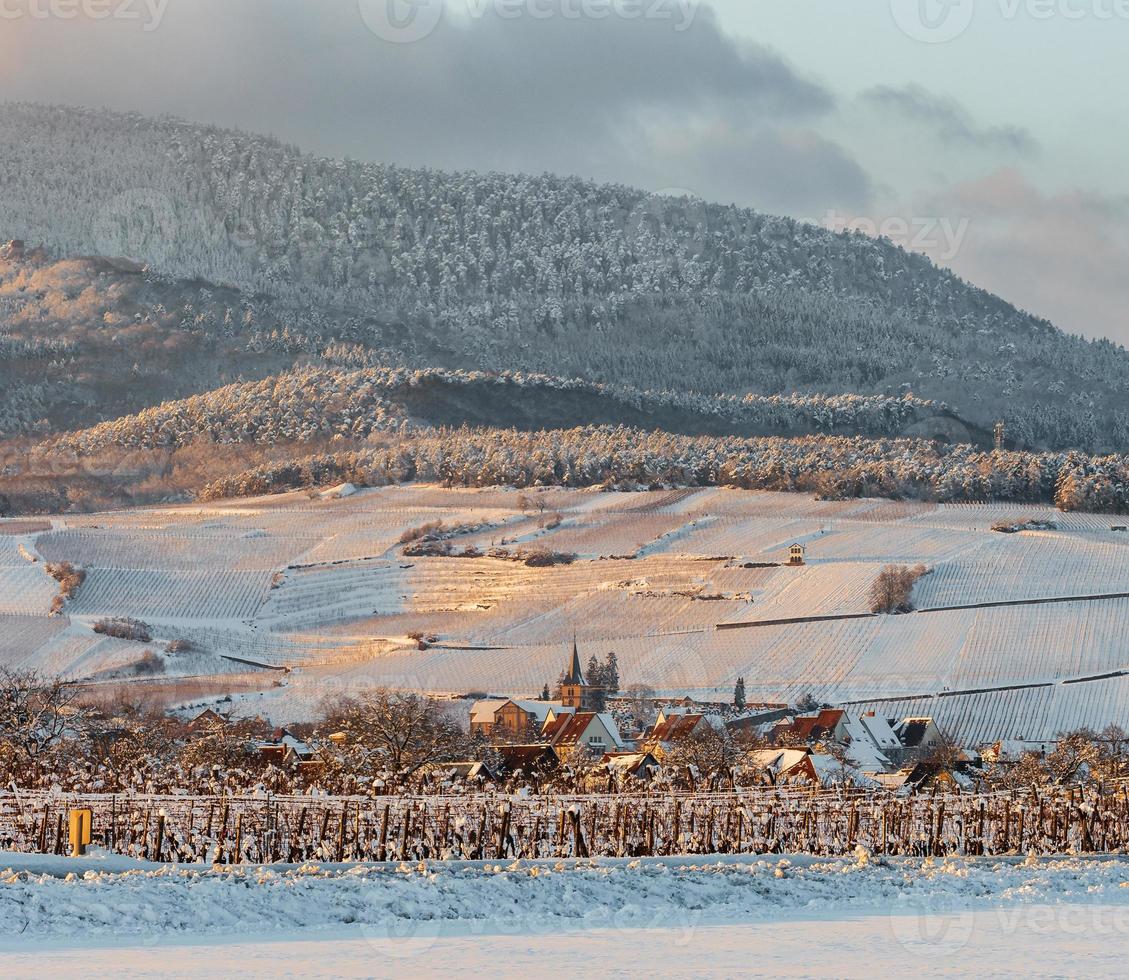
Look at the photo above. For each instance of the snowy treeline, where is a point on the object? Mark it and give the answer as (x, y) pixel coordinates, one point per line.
(292, 407)
(311, 403)
(832, 467)
(554, 275)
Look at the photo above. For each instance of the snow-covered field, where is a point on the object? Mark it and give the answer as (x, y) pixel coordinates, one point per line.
(319, 585)
(667, 917)
(1041, 941)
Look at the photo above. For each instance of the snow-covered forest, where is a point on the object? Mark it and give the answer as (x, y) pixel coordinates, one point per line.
(832, 467)
(530, 274)
(311, 403)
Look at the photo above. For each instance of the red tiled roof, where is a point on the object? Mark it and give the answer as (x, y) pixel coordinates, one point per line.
(526, 757)
(569, 729)
(808, 728)
(675, 726)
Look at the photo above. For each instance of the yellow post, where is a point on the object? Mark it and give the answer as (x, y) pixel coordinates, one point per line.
(81, 821)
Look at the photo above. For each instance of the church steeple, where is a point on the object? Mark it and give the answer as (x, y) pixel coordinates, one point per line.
(575, 690)
(575, 675)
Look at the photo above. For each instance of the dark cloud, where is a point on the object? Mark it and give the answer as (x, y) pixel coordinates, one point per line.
(949, 119)
(782, 170)
(516, 94)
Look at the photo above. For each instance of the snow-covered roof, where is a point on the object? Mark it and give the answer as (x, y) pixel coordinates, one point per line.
(778, 760)
(572, 729)
(913, 732)
(542, 709)
(629, 762)
(613, 728)
(482, 712)
(871, 739)
(880, 731)
(287, 742)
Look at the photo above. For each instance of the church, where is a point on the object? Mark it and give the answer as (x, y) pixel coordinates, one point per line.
(575, 691)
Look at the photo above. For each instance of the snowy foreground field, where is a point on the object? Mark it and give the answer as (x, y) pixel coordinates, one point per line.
(283, 601)
(797, 917)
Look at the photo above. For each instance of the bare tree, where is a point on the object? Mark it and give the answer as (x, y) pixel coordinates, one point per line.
(1075, 755)
(892, 591)
(708, 753)
(1112, 764)
(35, 712)
(642, 701)
(403, 731)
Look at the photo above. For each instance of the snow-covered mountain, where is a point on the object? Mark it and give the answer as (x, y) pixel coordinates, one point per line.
(259, 255)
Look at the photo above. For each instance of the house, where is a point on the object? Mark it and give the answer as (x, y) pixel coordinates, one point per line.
(928, 777)
(530, 760)
(639, 765)
(688, 705)
(779, 767)
(796, 554)
(457, 772)
(514, 718)
(285, 750)
(584, 732)
(871, 742)
(759, 722)
(790, 767)
(205, 721)
(576, 692)
(671, 727)
(828, 726)
(918, 734)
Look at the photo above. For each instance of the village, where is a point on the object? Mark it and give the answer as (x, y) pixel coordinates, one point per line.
(585, 773)
(699, 744)
(582, 734)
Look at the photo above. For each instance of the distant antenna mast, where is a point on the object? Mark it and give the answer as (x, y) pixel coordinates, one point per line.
(999, 436)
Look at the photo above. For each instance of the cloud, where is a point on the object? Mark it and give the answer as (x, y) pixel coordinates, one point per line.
(949, 120)
(486, 92)
(784, 169)
(637, 101)
(1061, 254)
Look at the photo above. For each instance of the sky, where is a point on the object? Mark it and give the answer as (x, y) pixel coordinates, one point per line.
(988, 134)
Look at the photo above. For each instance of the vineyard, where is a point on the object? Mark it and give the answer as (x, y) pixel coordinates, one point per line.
(690, 588)
(156, 594)
(235, 830)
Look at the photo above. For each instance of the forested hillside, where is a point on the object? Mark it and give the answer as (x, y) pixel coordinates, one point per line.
(831, 467)
(257, 257)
